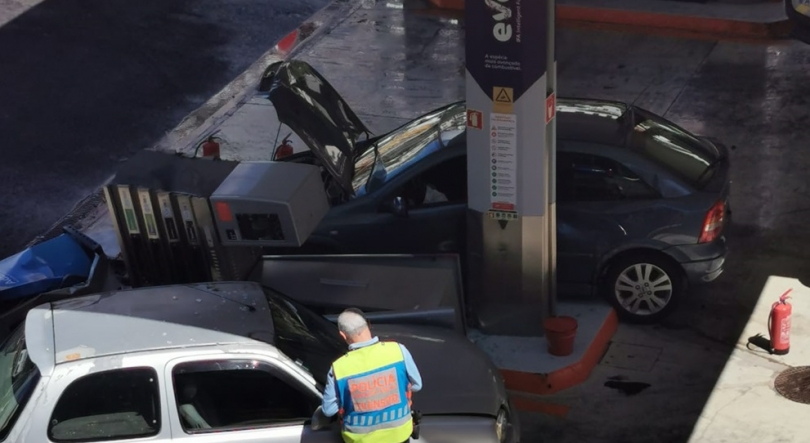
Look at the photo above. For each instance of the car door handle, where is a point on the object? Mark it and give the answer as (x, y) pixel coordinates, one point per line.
(447, 245)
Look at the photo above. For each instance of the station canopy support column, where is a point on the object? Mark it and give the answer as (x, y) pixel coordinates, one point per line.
(511, 103)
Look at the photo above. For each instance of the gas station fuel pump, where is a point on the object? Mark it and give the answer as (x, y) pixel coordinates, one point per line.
(183, 220)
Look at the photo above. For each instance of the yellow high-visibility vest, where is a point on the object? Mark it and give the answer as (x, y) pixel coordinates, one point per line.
(372, 387)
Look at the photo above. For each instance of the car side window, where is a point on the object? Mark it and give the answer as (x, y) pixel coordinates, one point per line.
(230, 395)
(442, 184)
(585, 177)
(110, 405)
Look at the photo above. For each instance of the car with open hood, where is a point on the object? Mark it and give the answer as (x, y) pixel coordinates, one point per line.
(226, 362)
(642, 204)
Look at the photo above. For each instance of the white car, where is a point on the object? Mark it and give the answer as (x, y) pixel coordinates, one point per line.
(217, 362)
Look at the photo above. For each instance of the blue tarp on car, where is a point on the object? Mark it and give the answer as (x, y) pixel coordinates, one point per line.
(43, 267)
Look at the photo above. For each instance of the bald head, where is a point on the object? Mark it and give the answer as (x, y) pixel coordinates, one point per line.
(353, 326)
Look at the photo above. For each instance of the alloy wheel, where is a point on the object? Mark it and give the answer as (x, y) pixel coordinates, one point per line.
(643, 289)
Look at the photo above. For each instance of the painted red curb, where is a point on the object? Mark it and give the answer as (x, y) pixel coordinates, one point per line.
(531, 405)
(570, 376)
(567, 14)
(695, 24)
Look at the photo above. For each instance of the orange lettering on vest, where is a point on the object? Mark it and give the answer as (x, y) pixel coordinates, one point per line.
(373, 387)
(377, 404)
(378, 382)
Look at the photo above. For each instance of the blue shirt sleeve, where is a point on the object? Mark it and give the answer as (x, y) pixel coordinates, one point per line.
(413, 372)
(330, 405)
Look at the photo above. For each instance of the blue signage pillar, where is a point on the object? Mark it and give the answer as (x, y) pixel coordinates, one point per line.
(511, 103)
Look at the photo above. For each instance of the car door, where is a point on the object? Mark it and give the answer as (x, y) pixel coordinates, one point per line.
(421, 211)
(594, 196)
(241, 398)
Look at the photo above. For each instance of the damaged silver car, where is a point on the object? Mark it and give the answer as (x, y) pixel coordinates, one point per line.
(232, 361)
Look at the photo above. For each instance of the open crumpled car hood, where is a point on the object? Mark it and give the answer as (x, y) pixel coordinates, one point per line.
(457, 377)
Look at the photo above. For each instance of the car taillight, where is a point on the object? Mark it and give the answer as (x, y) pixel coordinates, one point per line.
(713, 223)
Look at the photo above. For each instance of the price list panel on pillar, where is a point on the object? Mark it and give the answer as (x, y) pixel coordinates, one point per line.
(510, 80)
(503, 150)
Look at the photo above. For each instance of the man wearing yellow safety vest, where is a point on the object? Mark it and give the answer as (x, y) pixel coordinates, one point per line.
(370, 386)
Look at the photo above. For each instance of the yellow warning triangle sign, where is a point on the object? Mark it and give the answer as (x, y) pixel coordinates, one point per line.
(503, 96)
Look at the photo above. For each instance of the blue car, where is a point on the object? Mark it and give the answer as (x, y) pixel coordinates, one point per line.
(642, 204)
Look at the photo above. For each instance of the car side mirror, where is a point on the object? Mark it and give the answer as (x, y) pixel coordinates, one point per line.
(321, 421)
(398, 207)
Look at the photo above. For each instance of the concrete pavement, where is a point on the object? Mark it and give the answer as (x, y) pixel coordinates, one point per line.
(672, 382)
(680, 384)
(748, 378)
(12, 9)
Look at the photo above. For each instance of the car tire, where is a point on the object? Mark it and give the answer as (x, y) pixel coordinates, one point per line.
(643, 287)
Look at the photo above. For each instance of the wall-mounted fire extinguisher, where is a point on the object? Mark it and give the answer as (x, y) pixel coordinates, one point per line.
(779, 325)
(210, 147)
(285, 149)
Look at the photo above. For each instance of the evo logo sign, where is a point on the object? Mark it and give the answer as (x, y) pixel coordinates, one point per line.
(502, 50)
(502, 29)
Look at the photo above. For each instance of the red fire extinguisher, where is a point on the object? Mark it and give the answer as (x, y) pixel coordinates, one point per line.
(210, 147)
(285, 149)
(779, 325)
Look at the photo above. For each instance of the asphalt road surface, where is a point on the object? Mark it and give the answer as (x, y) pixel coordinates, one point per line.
(86, 83)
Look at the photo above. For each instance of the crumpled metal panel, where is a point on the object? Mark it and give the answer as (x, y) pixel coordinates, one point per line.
(388, 288)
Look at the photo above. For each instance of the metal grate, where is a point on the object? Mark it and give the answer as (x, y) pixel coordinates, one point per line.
(794, 384)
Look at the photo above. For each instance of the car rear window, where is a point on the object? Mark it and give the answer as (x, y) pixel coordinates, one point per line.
(18, 377)
(397, 150)
(672, 147)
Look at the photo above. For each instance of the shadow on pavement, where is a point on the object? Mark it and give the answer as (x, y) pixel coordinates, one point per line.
(86, 83)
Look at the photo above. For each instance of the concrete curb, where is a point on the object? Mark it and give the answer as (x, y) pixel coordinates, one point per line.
(564, 378)
(203, 121)
(718, 27)
(568, 15)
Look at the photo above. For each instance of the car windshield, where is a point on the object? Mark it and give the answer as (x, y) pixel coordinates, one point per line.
(18, 376)
(306, 337)
(681, 153)
(398, 150)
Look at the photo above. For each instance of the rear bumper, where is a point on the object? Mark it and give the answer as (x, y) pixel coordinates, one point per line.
(701, 263)
(704, 271)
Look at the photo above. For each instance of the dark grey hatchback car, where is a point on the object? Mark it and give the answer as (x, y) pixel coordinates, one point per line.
(641, 203)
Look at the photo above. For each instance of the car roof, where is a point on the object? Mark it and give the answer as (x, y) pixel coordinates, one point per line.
(592, 120)
(150, 319)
